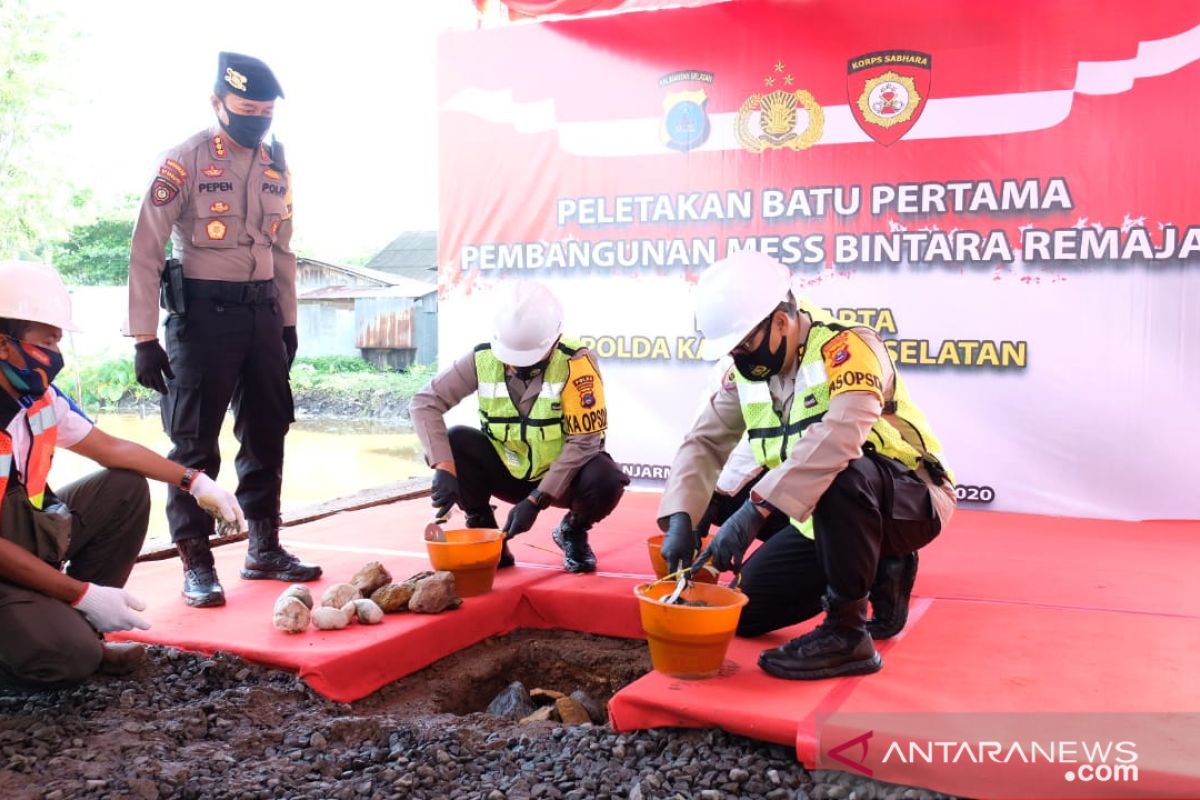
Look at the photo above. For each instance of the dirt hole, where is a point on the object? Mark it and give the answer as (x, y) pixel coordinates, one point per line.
(564, 661)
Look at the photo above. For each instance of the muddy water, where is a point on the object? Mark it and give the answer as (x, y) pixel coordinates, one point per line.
(325, 459)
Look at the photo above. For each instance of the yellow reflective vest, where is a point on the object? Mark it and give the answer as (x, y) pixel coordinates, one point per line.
(529, 444)
(902, 433)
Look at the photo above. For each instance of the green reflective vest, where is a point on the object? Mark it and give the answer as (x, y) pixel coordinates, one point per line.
(528, 444)
(771, 440)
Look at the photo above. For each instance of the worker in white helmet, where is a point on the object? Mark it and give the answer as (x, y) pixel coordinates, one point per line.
(850, 460)
(51, 617)
(542, 423)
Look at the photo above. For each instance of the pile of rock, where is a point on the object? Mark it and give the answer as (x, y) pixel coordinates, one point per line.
(366, 598)
(542, 705)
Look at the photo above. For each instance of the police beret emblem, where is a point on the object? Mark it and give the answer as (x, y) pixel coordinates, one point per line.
(162, 191)
(235, 79)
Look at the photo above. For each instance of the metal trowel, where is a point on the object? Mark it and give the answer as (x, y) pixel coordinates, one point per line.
(433, 531)
(685, 577)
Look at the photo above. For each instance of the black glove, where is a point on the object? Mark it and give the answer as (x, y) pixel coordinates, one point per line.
(445, 489)
(150, 364)
(681, 543)
(734, 538)
(521, 518)
(290, 342)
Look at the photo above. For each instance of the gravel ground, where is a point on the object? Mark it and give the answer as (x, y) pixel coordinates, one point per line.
(190, 726)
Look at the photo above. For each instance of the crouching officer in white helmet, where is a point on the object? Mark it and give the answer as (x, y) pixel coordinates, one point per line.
(53, 619)
(542, 425)
(851, 461)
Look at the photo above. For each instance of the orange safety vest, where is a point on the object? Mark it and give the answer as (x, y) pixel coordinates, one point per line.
(43, 423)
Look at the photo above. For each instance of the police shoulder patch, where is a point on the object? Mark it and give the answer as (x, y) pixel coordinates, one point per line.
(162, 191)
(583, 406)
(851, 365)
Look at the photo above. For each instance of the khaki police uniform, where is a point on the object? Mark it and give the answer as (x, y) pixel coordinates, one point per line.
(824, 477)
(583, 477)
(227, 212)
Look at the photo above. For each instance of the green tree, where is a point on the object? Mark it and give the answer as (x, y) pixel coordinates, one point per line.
(96, 254)
(34, 193)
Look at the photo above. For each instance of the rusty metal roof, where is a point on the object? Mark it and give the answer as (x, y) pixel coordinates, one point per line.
(401, 287)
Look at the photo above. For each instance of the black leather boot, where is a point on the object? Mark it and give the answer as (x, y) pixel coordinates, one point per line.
(201, 589)
(839, 646)
(267, 560)
(890, 594)
(571, 536)
(488, 520)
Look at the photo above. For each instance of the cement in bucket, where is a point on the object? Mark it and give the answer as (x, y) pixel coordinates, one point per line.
(472, 555)
(689, 641)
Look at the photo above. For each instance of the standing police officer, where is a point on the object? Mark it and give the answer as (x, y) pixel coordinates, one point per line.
(223, 197)
(542, 425)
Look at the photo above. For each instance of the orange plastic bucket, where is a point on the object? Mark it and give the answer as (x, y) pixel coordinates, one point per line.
(689, 641)
(654, 545)
(472, 555)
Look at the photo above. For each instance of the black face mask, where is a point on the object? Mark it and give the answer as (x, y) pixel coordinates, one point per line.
(532, 371)
(762, 362)
(246, 130)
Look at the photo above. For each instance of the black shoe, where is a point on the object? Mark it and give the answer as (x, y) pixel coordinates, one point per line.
(266, 560)
(577, 553)
(506, 557)
(890, 594)
(201, 589)
(278, 565)
(838, 647)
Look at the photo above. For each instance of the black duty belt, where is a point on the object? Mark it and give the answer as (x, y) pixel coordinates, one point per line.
(251, 293)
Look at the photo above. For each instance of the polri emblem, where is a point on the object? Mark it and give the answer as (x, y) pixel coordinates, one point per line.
(784, 118)
(888, 91)
(216, 229)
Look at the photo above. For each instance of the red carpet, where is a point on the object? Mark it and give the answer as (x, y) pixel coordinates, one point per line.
(1034, 622)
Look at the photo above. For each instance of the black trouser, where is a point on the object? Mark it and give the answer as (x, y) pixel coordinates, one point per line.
(722, 506)
(874, 507)
(591, 497)
(227, 350)
(45, 642)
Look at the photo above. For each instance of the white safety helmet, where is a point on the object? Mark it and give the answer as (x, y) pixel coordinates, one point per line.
(36, 293)
(734, 295)
(527, 324)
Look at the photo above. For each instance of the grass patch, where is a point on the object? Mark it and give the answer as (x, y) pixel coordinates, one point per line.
(112, 385)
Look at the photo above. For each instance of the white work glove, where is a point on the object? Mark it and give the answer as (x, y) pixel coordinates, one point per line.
(110, 609)
(218, 502)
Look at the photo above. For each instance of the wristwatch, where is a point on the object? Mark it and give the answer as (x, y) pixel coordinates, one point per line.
(758, 501)
(189, 475)
(540, 499)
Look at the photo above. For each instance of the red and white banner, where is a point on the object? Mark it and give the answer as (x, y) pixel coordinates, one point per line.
(1005, 190)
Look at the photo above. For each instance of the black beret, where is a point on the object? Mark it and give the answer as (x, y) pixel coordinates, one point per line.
(246, 76)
